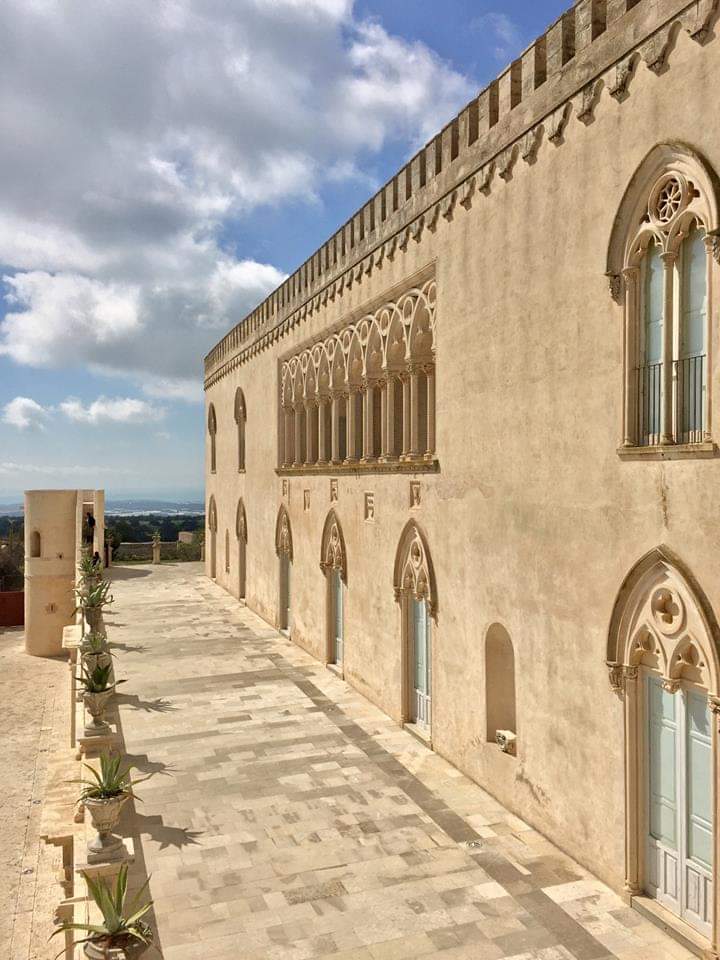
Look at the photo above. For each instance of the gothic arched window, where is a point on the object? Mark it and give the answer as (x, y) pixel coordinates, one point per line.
(212, 433)
(662, 251)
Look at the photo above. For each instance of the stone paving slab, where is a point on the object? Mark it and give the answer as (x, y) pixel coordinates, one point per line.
(287, 818)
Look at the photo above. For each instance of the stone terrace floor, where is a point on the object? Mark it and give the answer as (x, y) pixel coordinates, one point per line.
(287, 818)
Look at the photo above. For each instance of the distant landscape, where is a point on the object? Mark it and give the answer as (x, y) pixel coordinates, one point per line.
(124, 508)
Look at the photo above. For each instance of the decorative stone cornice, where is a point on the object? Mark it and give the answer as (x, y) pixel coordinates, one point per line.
(262, 328)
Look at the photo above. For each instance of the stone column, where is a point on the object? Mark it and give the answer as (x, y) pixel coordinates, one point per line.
(298, 434)
(322, 429)
(405, 380)
(414, 413)
(289, 429)
(666, 423)
(430, 375)
(632, 320)
(384, 390)
(99, 514)
(389, 419)
(309, 411)
(368, 414)
(335, 438)
(350, 418)
(632, 783)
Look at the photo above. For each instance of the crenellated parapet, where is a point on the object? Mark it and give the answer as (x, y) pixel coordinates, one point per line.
(592, 51)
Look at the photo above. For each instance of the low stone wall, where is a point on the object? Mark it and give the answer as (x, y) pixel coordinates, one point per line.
(169, 550)
(12, 608)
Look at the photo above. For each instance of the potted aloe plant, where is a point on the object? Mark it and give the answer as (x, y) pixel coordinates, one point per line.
(94, 651)
(103, 797)
(92, 597)
(89, 570)
(99, 685)
(123, 934)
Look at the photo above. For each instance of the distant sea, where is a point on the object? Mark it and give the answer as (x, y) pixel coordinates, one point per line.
(125, 508)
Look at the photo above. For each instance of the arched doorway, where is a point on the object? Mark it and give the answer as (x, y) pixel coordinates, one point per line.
(284, 551)
(333, 563)
(212, 539)
(414, 584)
(241, 531)
(663, 661)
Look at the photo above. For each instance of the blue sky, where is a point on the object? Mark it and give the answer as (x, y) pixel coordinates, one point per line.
(163, 167)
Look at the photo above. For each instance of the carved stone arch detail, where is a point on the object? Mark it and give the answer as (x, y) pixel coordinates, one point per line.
(241, 522)
(699, 194)
(212, 515)
(414, 574)
(283, 534)
(240, 410)
(662, 619)
(333, 555)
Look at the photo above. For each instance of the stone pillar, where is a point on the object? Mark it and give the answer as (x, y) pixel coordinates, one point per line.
(322, 429)
(368, 414)
(632, 783)
(405, 380)
(350, 419)
(309, 445)
(335, 437)
(156, 549)
(289, 428)
(99, 514)
(430, 375)
(389, 419)
(298, 434)
(414, 413)
(385, 386)
(632, 320)
(666, 423)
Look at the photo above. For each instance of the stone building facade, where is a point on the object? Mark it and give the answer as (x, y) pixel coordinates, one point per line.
(467, 453)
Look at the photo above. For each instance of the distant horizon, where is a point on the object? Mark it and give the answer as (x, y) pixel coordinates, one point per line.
(165, 497)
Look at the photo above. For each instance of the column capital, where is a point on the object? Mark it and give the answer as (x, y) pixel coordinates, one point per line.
(669, 257)
(630, 273)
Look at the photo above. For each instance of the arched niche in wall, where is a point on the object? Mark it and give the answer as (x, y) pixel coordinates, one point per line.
(500, 697)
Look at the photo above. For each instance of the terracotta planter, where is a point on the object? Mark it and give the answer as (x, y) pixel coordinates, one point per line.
(106, 846)
(95, 704)
(96, 951)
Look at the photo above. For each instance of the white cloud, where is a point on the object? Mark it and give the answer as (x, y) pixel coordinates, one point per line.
(137, 137)
(10, 467)
(505, 35)
(24, 413)
(111, 410)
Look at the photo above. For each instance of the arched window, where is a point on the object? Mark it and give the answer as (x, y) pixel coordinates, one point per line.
(499, 682)
(241, 531)
(35, 544)
(240, 418)
(212, 432)
(227, 551)
(333, 563)
(664, 663)
(365, 394)
(415, 591)
(211, 541)
(284, 551)
(661, 255)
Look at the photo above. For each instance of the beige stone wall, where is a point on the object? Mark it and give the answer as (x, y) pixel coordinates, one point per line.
(533, 520)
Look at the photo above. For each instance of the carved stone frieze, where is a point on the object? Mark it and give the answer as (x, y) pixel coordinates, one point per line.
(506, 162)
(557, 122)
(466, 193)
(619, 84)
(587, 101)
(655, 51)
(530, 144)
(698, 19)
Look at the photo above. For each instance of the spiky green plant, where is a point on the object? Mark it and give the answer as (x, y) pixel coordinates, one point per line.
(93, 595)
(97, 680)
(111, 780)
(122, 925)
(88, 569)
(94, 643)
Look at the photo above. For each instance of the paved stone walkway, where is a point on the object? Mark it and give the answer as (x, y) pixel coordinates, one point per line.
(289, 819)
